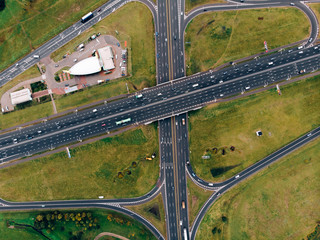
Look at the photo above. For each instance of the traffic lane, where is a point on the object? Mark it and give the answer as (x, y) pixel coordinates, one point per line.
(155, 93)
(174, 105)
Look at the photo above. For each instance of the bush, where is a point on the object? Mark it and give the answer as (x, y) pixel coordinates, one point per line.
(224, 219)
(214, 230)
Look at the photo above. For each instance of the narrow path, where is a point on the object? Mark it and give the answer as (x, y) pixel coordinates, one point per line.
(110, 234)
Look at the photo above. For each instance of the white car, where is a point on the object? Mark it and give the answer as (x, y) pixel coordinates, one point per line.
(220, 81)
(300, 52)
(248, 87)
(237, 176)
(221, 95)
(270, 63)
(94, 110)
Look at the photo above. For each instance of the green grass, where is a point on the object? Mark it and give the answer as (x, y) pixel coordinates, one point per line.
(190, 4)
(153, 211)
(21, 22)
(25, 115)
(220, 37)
(280, 118)
(316, 9)
(91, 172)
(196, 198)
(281, 202)
(125, 226)
(138, 32)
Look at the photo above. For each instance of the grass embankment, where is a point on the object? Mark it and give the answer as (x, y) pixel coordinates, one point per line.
(316, 9)
(153, 211)
(21, 22)
(281, 202)
(280, 118)
(220, 37)
(138, 31)
(66, 228)
(94, 170)
(196, 198)
(190, 4)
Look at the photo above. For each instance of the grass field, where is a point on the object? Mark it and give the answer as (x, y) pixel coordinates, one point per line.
(190, 4)
(138, 32)
(281, 202)
(196, 198)
(104, 221)
(153, 211)
(92, 171)
(221, 37)
(316, 9)
(280, 118)
(21, 22)
(26, 115)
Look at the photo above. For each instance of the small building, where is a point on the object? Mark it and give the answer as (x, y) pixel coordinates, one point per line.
(21, 96)
(106, 58)
(87, 66)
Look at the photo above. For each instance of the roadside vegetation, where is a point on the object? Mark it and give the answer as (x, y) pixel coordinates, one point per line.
(190, 4)
(20, 22)
(153, 211)
(226, 132)
(196, 198)
(213, 39)
(138, 32)
(316, 9)
(280, 202)
(114, 167)
(69, 224)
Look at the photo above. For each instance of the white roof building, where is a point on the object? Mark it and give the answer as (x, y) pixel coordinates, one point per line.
(86, 66)
(21, 96)
(106, 58)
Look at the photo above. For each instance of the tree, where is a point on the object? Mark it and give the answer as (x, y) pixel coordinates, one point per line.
(39, 218)
(224, 219)
(2, 4)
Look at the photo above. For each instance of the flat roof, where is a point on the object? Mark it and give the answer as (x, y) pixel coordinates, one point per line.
(86, 66)
(106, 57)
(21, 96)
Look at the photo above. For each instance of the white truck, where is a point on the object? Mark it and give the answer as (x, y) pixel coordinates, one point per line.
(185, 234)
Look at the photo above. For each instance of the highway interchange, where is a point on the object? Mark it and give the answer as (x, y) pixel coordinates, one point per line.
(167, 103)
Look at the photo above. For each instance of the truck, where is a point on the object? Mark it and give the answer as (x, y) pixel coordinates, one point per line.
(185, 236)
(87, 17)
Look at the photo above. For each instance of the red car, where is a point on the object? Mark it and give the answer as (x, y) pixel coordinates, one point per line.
(103, 124)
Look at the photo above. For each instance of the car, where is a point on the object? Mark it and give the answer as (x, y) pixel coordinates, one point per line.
(17, 64)
(300, 52)
(247, 88)
(43, 205)
(180, 222)
(224, 73)
(94, 110)
(36, 56)
(246, 65)
(193, 174)
(290, 51)
(15, 140)
(220, 81)
(221, 95)
(270, 63)
(249, 70)
(292, 4)
(7, 108)
(157, 34)
(2, 109)
(218, 194)
(66, 85)
(310, 39)
(212, 76)
(166, 39)
(75, 60)
(159, 94)
(300, 47)
(103, 125)
(309, 135)
(98, 34)
(188, 162)
(183, 121)
(99, 10)
(39, 131)
(181, 13)
(176, 123)
(237, 176)
(175, 38)
(316, 47)
(57, 65)
(158, 55)
(118, 44)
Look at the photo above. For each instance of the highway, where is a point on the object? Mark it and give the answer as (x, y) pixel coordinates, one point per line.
(159, 102)
(167, 103)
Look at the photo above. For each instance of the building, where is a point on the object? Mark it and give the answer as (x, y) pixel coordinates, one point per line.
(21, 96)
(86, 66)
(106, 58)
(102, 60)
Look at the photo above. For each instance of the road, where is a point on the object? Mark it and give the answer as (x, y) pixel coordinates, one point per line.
(159, 102)
(226, 185)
